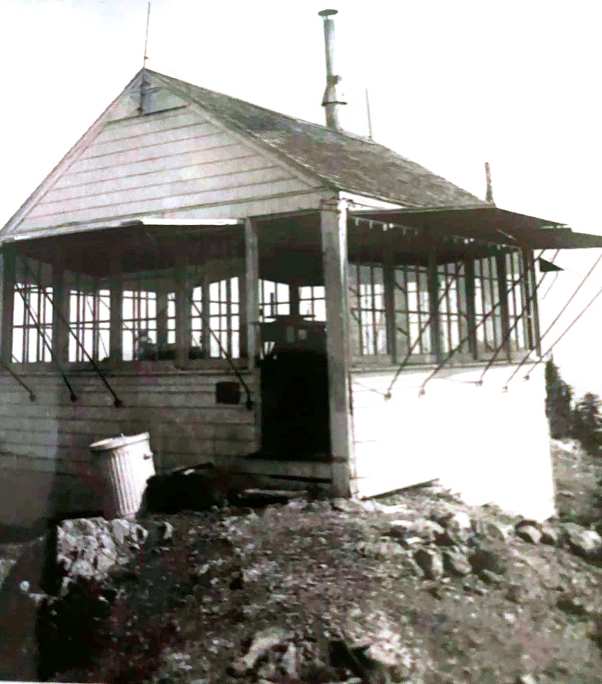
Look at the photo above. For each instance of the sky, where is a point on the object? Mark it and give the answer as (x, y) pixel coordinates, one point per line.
(451, 85)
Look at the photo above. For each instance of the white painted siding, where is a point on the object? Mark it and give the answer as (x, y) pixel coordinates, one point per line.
(485, 444)
(168, 161)
(178, 409)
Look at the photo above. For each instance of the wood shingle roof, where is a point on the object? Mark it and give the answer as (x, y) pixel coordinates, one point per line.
(341, 160)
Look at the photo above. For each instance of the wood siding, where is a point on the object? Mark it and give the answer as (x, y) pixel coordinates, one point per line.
(166, 161)
(179, 410)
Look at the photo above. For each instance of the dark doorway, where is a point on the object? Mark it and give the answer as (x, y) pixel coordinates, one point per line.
(294, 390)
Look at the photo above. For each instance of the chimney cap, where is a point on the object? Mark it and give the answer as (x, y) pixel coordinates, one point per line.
(328, 12)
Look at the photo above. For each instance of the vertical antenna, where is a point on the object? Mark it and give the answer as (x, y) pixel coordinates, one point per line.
(148, 9)
(489, 193)
(368, 115)
(143, 78)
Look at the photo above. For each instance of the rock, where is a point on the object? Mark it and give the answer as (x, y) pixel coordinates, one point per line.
(458, 526)
(167, 530)
(549, 535)
(120, 530)
(428, 530)
(289, 661)
(490, 577)
(106, 541)
(583, 542)
(6, 565)
(493, 530)
(262, 642)
(91, 547)
(359, 661)
(430, 561)
(379, 549)
(456, 563)
(346, 505)
(487, 559)
(401, 529)
(527, 522)
(526, 679)
(414, 531)
(529, 534)
(575, 605)
(522, 594)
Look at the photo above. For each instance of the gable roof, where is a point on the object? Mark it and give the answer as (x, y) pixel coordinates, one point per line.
(127, 165)
(340, 159)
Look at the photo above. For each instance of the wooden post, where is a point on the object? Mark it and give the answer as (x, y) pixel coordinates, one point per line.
(502, 279)
(205, 317)
(183, 308)
(333, 229)
(60, 312)
(530, 291)
(251, 306)
(389, 281)
(8, 299)
(433, 289)
(251, 289)
(116, 324)
(293, 288)
(162, 326)
(470, 305)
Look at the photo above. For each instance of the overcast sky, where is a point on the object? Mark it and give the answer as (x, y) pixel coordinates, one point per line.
(452, 84)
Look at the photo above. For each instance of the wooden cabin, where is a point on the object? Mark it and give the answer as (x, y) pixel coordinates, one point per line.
(279, 297)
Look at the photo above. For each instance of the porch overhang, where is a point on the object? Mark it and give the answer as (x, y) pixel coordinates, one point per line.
(487, 223)
(141, 243)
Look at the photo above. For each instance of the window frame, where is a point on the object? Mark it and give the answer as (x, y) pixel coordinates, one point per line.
(469, 309)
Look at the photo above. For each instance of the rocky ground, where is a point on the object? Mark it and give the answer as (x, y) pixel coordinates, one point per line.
(415, 587)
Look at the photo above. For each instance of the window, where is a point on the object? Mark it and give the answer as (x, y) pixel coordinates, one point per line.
(312, 302)
(89, 320)
(517, 302)
(274, 300)
(224, 319)
(198, 342)
(451, 295)
(139, 323)
(412, 310)
(488, 314)
(32, 313)
(367, 301)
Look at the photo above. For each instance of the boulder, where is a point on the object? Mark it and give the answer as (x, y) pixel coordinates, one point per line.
(456, 563)
(529, 534)
(484, 558)
(262, 642)
(583, 542)
(549, 535)
(493, 530)
(458, 523)
(430, 561)
(89, 548)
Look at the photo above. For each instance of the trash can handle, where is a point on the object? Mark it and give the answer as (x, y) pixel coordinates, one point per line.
(147, 456)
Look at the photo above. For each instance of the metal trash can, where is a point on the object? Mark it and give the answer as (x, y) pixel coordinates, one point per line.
(124, 465)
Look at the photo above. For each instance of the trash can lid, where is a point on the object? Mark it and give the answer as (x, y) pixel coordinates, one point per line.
(118, 442)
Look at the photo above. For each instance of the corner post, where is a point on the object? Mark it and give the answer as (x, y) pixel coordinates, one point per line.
(333, 230)
(8, 298)
(251, 319)
(251, 290)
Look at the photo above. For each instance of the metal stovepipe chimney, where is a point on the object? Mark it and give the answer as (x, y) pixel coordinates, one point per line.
(332, 96)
